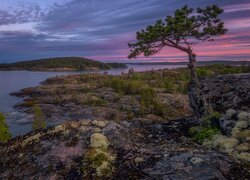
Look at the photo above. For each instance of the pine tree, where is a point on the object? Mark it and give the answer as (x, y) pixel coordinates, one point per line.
(181, 31)
(39, 119)
(5, 134)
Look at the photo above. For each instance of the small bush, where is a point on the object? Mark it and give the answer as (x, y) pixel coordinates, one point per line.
(5, 134)
(159, 109)
(147, 100)
(208, 129)
(124, 87)
(200, 134)
(147, 96)
(39, 119)
(212, 119)
(202, 72)
(170, 86)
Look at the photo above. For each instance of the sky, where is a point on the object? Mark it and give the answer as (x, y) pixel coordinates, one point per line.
(101, 29)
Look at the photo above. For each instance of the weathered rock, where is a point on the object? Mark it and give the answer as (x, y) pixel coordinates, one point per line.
(225, 92)
(73, 151)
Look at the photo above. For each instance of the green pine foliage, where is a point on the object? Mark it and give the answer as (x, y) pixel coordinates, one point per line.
(5, 134)
(181, 30)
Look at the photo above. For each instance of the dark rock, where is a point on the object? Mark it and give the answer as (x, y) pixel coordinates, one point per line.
(225, 92)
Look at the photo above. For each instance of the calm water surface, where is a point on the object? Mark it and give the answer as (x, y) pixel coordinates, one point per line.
(12, 81)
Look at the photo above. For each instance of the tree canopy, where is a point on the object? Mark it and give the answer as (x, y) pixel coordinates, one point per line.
(179, 31)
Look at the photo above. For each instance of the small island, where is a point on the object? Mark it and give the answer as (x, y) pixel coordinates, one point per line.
(61, 64)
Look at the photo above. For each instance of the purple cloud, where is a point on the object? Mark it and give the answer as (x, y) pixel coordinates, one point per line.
(103, 28)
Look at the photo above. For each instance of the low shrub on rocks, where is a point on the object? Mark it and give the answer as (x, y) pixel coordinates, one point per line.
(207, 130)
(200, 134)
(5, 134)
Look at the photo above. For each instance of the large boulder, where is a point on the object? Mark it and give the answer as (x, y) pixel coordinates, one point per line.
(225, 92)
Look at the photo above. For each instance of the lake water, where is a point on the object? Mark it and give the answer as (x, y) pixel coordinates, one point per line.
(12, 81)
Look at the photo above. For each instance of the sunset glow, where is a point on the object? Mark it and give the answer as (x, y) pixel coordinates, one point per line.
(101, 29)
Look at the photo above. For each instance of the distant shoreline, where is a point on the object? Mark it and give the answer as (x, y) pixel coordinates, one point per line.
(58, 70)
(62, 64)
(186, 62)
(124, 66)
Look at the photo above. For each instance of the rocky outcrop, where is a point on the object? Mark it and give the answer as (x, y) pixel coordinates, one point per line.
(104, 149)
(230, 96)
(225, 92)
(220, 93)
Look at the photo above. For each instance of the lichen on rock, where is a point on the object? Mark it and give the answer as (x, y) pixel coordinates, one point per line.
(230, 113)
(99, 123)
(99, 158)
(224, 143)
(244, 116)
(98, 140)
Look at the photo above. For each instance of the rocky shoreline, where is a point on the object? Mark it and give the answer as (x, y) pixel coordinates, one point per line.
(83, 96)
(130, 127)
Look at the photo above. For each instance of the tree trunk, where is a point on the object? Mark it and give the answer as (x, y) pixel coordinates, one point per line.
(191, 66)
(194, 94)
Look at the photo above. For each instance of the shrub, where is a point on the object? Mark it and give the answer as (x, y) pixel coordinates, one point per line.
(122, 87)
(39, 119)
(5, 134)
(147, 96)
(159, 109)
(94, 101)
(147, 100)
(212, 119)
(170, 86)
(203, 72)
(208, 129)
(200, 134)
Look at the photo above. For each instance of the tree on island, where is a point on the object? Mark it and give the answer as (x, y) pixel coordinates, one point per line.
(181, 31)
(5, 134)
(39, 119)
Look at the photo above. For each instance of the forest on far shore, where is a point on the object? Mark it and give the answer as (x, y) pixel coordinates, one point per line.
(61, 63)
